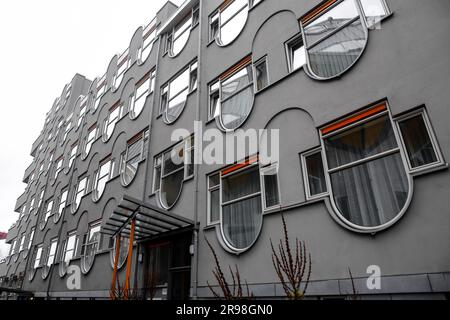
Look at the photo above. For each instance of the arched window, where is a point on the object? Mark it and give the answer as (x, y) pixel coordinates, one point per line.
(136, 152)
(68, 253)
(138, 98)
(178, 37)
(62, 205)
(148, 38)
(238, 196)
(123, 254)
(227, 22)
(122, 65)
(89, 140)
(335, 34)
(370, 188)
(115, 113)
(174, 94)
(90, 247)
(235, 98)
(102, 176)
(81, 190)
(172, 168)
(101, 89)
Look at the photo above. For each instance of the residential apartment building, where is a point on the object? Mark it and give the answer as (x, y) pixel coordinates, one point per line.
(357, 92)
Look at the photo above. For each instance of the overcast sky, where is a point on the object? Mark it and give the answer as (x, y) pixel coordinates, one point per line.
(43, 44)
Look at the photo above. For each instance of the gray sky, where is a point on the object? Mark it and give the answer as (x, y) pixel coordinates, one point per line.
(44, 43)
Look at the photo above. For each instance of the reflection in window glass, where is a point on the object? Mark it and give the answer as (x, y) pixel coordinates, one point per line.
(103, 174)
(140, 95)
(418, 142)
(261, 74)
(315, 174)
(232, 20)
(80, 192)
(374, 10)
(368, 178)
(90, 247)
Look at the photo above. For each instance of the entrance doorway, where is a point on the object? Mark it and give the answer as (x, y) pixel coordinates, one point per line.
(167, 268)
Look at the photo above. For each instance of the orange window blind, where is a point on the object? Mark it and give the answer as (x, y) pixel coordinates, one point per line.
(238, 66)
(317, 11)
(355, 118)
(240, 165)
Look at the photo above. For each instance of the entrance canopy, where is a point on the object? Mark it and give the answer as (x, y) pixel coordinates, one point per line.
(150, 221)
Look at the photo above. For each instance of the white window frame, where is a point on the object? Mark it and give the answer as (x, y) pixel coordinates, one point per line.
(124, 155)
(101, 89)
(87, 242)
(290, 52)
(165, 89)
(106, 162)
(72, 155)
(421, 112)
(88, 142)
(52, 251)
(62, 204)
(114, 116)
(30, 238)
(262, 171)
(263, 60)
(305, 174)
(83, 110)
(157, 165)
(82, 189)
(141, 91)
(38, 257)
(209, 221)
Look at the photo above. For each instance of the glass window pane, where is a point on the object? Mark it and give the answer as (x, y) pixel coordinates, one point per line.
(330, 21)
(316, 176)
(374, 10)
(298, 55)
(230, 30)
(242, 221)
(241, 184)
(235, 83)
(262, 79)
(179, 84)
(236, 109)
(360, 142)
(215, 205)
(417, 141)
(337, 53)
(373, 193)
(271, 193)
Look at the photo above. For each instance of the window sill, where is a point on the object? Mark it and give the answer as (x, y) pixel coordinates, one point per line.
(430, 169)
(211, 226)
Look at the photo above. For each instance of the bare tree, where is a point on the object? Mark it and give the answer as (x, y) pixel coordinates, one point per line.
(291, 269)
(229, 291)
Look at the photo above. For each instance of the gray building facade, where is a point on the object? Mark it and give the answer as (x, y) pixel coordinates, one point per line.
(357, 93)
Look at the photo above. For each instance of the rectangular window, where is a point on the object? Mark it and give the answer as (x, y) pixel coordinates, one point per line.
(83, 109)
(37, 257)
(48, 211)
(22, 243)
(419, 141)
(110, 122)
(193, 77)
(296, 53)
(101, 89)
(374, 11)
(261, 74)
(195, 15)
(52, 252)
(62, 202)
(58, 166)
(122, 66)
(152, 80)
(157, 173)
(269, 183)
(70, 247)
(30, 239)
(149, 36)
(41, 197)
(214, 199)
(68, 126)
(91, 136)
(80, 192)
(214, 26)
(73, 154)
(313, 174)
(180, 35)
(214, 100)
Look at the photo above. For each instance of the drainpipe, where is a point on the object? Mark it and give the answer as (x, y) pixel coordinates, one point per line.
(196, 177)
(148, 156)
